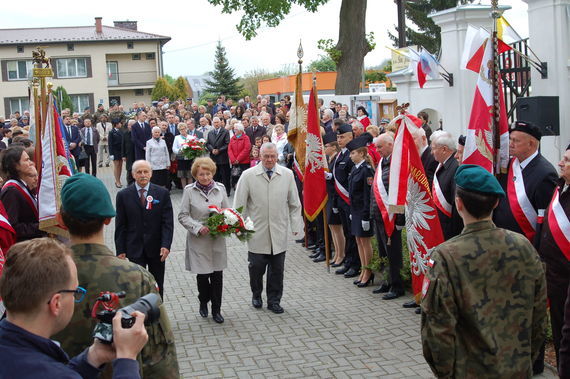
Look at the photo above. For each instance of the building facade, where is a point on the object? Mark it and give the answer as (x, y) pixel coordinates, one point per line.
(95, 64)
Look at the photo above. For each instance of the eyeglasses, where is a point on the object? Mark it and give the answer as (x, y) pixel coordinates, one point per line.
(78, 293)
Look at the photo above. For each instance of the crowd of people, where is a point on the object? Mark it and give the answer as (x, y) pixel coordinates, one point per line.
(485, 279)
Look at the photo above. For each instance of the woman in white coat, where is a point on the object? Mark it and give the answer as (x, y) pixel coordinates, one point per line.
(205, 256)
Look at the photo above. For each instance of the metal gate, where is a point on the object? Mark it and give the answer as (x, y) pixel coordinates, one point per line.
(515, 72)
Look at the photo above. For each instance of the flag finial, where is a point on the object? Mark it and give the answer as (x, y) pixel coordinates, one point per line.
(495, 13)
(300, 52)
(403, 109)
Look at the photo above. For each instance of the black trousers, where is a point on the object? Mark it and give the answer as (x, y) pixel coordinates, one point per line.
(159, 177)
(393, 252)
(155, 267)
(210, 289)
(91, 156)
(557, 282)
(351, 260)
(223, 176)
(275, 265)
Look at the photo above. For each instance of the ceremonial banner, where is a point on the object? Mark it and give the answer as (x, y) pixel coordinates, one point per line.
(407, 178)
(297, 134)
(54, 171)
(315, 188)
(479, 148)
(7, 232)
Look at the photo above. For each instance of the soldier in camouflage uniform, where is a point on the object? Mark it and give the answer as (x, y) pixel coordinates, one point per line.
(116, 114)
(86, 206)
(98, 113)
(484, 293)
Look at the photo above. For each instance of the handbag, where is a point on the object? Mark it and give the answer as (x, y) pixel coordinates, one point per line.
(236, 171)
(82, 155)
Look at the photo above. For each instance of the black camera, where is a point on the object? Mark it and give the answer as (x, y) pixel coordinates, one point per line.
(147, 305)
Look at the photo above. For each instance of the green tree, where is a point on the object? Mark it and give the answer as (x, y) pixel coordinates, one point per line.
(169, 79)
(425, 33)
(223, 80)
(182, 87)
(250, 79)
(349, 51)
(63, 99)
(374, 76)
(322, 64)
(161, 89)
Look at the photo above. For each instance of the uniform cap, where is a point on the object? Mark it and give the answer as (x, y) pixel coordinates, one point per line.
(385, 121)
(528, 128)
(344, 128)
(85, 197)
(475, 178)
(356, 143)
(328, 138)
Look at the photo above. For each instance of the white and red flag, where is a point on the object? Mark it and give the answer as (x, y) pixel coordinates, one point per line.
(297, 133)
(54, 171)
(479, 147)
(409, 190)
(314, 184)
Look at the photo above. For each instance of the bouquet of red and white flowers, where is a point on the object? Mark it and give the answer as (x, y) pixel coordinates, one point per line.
(227, 221)
(193, 147)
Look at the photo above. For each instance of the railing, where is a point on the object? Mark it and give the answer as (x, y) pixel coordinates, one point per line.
(125, 78)
(515, 72)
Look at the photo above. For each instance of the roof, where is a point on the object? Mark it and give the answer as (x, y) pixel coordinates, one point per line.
(73, 34)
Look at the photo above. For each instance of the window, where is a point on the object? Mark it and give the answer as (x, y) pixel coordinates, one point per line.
(130, 45)
(19, 70)
(80, 102)
(70, 47)
(19, 104)
(149, 91)
(113, 73)
(149, 56)
(20, 49)
(139, 92)
(136, 57)
(71, 67)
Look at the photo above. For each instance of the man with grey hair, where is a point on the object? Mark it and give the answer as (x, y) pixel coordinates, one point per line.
(255, 130)
(327, 120)
(443, 189)
(268, 195)
(428, 161)
(217, 143)
(357, 128)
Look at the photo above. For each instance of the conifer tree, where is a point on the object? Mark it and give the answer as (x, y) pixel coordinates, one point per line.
(63, 99)
(223, 80)
(183, 87)
(161, 89)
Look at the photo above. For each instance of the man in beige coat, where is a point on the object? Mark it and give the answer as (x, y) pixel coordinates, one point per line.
(268, 195)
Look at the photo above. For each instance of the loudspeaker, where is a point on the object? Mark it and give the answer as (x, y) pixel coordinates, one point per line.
(543, 111)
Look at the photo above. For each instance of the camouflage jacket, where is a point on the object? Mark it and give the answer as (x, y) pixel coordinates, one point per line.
(483, 305)
(99, 270)
(118, 115)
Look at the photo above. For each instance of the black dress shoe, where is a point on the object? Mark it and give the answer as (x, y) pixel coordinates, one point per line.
(320, 258)
(217, 317)
(314, 254)
(337, 264)
(392, 295)
(341, 271)
(256, 302)
(204, 309)
(419, 311)
(410, 304)
(275, 308)
(382, 289)
(312, 246)
(356, 282)
(351, 273)
(302, 240)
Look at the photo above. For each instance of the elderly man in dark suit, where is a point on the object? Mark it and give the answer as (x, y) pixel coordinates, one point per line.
(141, 132)
(217, 144)
(255, 130)
(428, 161)
(144, 225)
(90, 140)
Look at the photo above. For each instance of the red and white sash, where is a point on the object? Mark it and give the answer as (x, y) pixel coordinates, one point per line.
(381, 196)
(559, 225)
(25, 192)
(342, 192)
(438, 197)
(523, 211)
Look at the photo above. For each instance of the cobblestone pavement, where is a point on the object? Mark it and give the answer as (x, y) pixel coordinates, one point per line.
(330, 327)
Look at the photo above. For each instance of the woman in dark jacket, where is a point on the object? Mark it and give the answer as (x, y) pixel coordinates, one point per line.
(20, 202)
(116, 150)
(129, 151)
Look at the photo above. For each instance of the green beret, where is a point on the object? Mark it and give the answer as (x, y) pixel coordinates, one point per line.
(475, 178)
(85, 197)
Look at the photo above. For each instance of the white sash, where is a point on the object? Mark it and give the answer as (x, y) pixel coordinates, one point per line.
(438, 197)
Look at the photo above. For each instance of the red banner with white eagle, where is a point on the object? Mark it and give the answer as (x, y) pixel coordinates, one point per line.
(409, 190)
(315, 190)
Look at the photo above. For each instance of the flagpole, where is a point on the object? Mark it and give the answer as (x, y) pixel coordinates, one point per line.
(496, 14)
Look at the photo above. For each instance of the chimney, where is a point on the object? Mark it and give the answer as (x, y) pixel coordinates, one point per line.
(131, 25)
(98, 25)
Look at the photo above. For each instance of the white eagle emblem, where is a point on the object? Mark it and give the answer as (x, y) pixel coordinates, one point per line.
(417, 212)
(298, 119)
(314, 157)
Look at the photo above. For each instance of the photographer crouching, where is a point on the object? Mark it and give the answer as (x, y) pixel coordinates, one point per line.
(39, 288)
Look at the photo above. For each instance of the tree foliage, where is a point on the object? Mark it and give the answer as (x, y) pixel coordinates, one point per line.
(425, 32)
(374, 76)
(183, 87)
(63, 99)
(161, 89)
(170, 80)
(322, 64)
(224, 81)
(250, 79)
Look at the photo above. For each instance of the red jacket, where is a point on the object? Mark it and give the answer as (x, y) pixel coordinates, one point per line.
(239, 149)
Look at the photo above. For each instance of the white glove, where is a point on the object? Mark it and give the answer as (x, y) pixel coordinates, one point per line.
(398, 228)
(365, 225)
(328, 175)
(335, 210)
(111, 157)
(350, 217)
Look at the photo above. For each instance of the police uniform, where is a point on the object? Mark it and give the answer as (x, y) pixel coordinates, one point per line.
(98, 269)
(359, 185)
(342, 167)
(483, 298)
(332, 218)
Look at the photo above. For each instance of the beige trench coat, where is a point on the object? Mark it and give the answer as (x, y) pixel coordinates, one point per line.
(272, 204)
(204, 254)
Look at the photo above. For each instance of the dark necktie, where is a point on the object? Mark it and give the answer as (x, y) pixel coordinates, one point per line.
(269, 173)
(142, 199)
(69, 130)
(88, 142)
